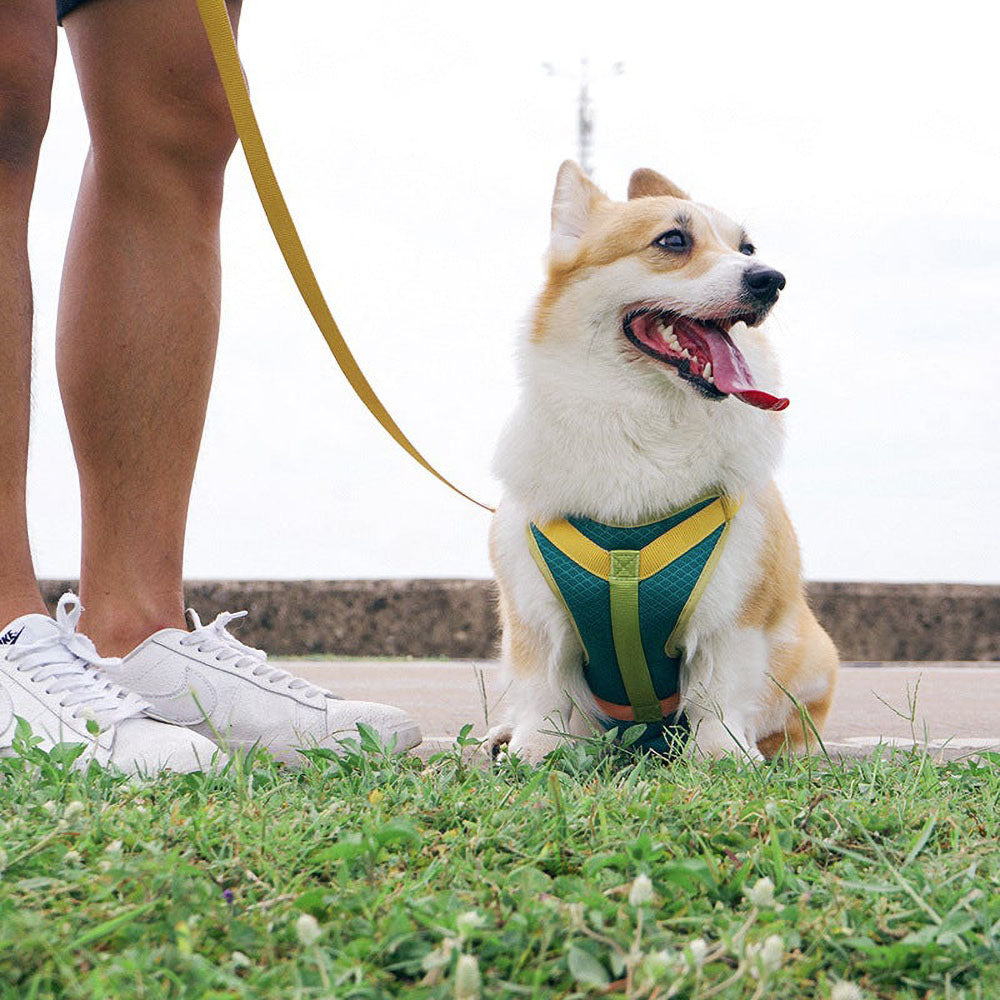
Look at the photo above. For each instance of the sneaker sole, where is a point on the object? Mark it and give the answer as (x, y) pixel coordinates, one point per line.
(407, 736)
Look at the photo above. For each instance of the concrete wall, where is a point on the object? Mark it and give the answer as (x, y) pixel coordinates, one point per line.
(456, 618)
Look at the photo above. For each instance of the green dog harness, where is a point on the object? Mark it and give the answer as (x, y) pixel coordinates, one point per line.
(630, 592)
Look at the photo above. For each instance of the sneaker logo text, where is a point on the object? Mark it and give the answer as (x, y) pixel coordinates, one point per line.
(10, 636)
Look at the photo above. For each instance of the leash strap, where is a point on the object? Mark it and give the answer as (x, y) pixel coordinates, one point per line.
(215, 18)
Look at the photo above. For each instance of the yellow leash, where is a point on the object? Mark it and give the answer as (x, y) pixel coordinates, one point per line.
(215, 17)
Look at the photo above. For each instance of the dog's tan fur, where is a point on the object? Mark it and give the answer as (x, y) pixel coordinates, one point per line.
(777, 600)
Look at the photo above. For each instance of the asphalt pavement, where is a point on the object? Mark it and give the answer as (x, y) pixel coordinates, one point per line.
(950, 709)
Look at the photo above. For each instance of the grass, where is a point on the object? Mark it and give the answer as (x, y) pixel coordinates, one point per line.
(373, 876)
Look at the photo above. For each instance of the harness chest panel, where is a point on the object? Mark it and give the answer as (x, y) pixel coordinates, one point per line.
(630, 592)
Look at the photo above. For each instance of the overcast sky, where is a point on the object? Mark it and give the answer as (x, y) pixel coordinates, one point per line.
(417, 145)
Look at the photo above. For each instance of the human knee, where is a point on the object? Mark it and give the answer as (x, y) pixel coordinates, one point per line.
(194, 126)
(179, 126)
(26, 67)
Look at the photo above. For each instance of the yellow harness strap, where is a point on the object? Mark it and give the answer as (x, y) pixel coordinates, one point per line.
(653, 557)
(215, 17)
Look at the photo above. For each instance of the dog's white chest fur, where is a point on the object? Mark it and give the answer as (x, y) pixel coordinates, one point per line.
(623, 442)
(624, 446)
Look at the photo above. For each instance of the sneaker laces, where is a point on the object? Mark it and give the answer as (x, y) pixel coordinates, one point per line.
(215, 638)
(69, 661)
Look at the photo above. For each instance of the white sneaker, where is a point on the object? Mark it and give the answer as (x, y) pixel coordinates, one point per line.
(52, 677)
(210, 681)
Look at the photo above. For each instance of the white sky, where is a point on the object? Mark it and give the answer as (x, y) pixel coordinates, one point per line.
(417, 146)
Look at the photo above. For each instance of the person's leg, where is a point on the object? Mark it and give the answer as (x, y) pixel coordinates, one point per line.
(138, 322)
(45, 675)
(139, 307)
(27, 59)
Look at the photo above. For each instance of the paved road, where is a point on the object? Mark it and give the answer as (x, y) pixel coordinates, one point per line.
(953, 707)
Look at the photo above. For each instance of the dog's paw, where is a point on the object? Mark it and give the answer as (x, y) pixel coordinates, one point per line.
(712, 740)
(498, 739)
(532, 746)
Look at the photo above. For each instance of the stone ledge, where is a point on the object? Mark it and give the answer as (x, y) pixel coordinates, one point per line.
(457, 618)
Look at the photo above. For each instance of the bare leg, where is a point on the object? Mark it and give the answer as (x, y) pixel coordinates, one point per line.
(139, 306)
(27, 59)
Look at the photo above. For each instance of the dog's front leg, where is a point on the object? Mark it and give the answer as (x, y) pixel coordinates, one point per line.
(539, 698)
(540, 719)
(724, 682)
(540, 653)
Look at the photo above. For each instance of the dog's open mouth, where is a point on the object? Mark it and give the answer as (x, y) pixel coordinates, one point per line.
(702, 352)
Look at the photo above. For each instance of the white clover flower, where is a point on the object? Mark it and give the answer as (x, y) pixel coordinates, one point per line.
(698, 949)
(240, 960)
(307, 930)
(762, 894)
(765, 958)
(468, 922)
(439, 956)
(641, 891)
(49, 807)
(772, 953)
(655, 966)
(71, 857)
(468, 982)
(115, 847)
(73, 808)
(845, 991)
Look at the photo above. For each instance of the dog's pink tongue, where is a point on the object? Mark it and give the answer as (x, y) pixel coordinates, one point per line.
(731, 373)
(763, 400)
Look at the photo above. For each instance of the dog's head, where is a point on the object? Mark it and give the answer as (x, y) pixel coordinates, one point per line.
(670, 277)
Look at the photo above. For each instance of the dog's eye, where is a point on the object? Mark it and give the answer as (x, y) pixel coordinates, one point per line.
(673, 239)
(748, 248)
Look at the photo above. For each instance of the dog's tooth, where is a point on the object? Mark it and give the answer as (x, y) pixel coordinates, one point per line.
(668, 330)
(707, 371)
(686, 353)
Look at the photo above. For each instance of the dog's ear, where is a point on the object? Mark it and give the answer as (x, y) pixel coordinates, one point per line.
(646, 183)
(573, 201)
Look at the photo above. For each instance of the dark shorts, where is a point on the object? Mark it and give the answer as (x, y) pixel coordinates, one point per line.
(64, 7)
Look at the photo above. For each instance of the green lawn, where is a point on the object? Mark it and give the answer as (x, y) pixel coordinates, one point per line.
(371, 876)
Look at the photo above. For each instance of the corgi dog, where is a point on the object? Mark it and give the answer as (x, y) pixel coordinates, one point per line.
(647, 569)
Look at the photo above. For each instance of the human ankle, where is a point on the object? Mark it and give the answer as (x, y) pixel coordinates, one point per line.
(116, 629)
(19, 593)
(18, 601)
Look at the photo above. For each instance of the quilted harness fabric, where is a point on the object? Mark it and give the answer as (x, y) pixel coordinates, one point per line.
(630, 591)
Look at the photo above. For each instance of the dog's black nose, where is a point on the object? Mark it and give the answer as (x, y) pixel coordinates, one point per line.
(763, 283)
